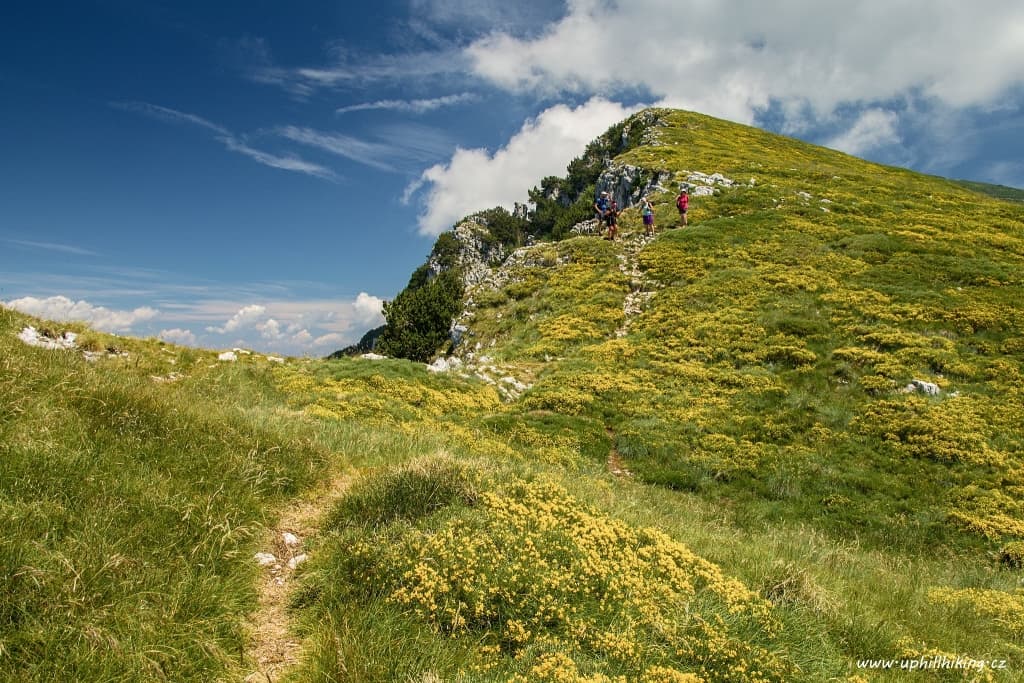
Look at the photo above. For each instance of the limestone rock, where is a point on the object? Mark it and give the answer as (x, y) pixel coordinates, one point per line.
(265, 559)
(228, 356)
(33, 337)
(924, 387)
(476, 252)
(624, 183)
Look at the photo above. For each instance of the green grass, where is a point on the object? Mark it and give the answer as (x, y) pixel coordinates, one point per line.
(129, 518)
(998, 191)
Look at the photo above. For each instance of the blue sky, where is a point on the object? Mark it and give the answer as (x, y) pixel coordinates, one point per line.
(248, 173)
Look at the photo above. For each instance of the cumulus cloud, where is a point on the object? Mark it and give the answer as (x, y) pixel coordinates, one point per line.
(474, 179)
(874, 128)
(178, 336)
(734, 59)
(332, 340)
(368, 309)
(102, 318)
(292, 327)
(246, 316)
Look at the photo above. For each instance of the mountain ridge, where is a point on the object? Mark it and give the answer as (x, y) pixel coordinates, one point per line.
(780, 444)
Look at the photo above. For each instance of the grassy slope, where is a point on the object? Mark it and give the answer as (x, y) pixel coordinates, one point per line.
(755, 399)
(997, 191)
(761, 388)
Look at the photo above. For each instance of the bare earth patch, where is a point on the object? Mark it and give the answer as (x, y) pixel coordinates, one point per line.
(615, 464)
(273, 648)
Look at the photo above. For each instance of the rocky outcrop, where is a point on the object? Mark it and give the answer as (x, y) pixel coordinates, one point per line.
(699, 184)
(477, 252)
(628, 184)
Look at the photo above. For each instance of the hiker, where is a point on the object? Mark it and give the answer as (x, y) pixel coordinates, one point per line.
(611, 219)
(601, 208)
(683, 203)
(648, 213)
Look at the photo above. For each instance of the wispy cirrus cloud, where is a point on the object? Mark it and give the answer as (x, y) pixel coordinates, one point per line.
(170, 115)
(230, 140)
(414, 106)
(52, 246)
(403, 147)
(346, 71)
(368, 153)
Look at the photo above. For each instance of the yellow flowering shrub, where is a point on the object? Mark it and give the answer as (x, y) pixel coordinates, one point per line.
(952, 431)
(558, 586)
(1006, 610)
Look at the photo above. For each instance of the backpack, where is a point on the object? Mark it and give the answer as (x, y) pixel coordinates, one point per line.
(682, 200)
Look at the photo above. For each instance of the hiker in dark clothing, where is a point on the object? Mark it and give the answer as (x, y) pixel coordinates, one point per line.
(611, 219)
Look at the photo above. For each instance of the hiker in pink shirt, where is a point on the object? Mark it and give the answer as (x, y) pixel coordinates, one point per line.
(683, 204)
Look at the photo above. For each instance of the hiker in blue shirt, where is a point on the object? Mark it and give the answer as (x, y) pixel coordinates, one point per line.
(601, 207)
(648, 213)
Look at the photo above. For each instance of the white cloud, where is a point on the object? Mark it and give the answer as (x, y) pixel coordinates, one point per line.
(370, 153)
(178, 336)
(405, 144)
(344, 71)
(333, 340)
(291, 327)
(246, 317)
(52, 246)
(414, 106)
(874, 128)
(285, 163)
(171, 115)
(102, 318)
(475, 179)
(231, 141)
(368, 310)
(271, 329)
(732, 59)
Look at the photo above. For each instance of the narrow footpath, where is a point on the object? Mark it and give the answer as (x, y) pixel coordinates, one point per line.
(273, 648)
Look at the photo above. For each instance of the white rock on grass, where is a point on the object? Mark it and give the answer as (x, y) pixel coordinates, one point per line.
(32, 337)
(443, 365)
(290, 539)
(925, 387)
(265, 559)
(372, 356)
(228, 356)
(513, 382)
(275, 359)
(297, 560)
